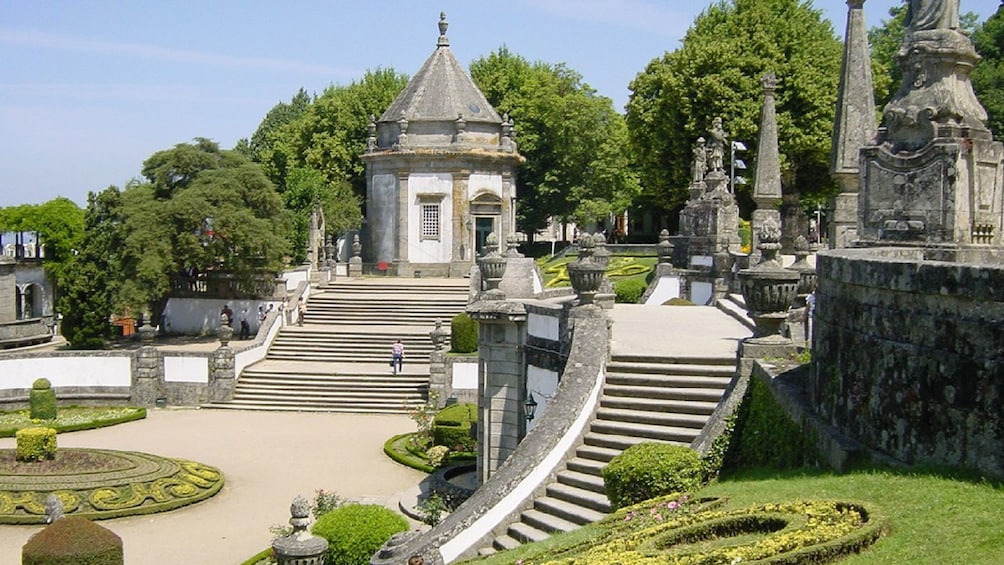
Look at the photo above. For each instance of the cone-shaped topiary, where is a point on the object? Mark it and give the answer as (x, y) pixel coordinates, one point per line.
(73, 541)
(463, 334)
(356, 531)
(42, 400)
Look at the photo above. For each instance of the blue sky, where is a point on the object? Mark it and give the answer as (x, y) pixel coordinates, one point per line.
(91, 88)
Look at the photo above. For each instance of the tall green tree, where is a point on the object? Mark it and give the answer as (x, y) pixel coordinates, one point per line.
(93, 274)
(261, 148)
(988, 76)
(577, 162)
(716, 72)
(59, 224)
(201, 207)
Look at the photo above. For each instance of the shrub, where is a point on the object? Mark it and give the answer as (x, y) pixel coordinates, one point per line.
(73, 541)
(452, 427)
(463, 334)
(356, 531)
(35, 444)
(648, 470)
(629, 291)
(42, 400)
(745, 235)
(437, 455)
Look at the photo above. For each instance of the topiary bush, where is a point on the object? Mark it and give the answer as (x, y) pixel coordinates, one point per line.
(35, 444)
(42, 400)
(629, 291)
(356, 531)
(463, 334)
(452, 427)
(73, 540)
(648, 470)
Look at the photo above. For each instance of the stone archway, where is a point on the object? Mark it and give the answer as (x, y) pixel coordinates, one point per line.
(486, 214)
(29, 301)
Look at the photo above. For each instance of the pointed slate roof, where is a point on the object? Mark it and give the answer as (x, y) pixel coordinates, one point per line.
(441, 90)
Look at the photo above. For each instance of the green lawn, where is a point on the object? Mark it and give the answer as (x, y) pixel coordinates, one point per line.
(71, 418)
(931, 518)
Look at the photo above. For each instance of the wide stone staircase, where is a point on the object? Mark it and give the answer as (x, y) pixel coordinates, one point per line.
(644, 398)
(339, 359)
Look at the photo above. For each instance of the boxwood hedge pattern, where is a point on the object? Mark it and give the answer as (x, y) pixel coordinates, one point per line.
(132, 483)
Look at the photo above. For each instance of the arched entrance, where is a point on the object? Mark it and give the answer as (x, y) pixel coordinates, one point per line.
(486, 209)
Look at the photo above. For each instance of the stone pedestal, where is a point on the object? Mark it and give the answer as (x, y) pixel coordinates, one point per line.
(146, 382)
(355, 267)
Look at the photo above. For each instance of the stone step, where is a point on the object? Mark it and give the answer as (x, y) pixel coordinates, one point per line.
(668, 380)
(546, 522)
(673, 369)
(597, 453)
(735, 306)
(583, 481)
(628, 358)
(652, 418)
(579, 497)
(701, 407)
(646, 432)
(622, 442)
(587, 465)
(525, 533)
(354, 407)
(504, 542)
(665, 393)
(565, 510)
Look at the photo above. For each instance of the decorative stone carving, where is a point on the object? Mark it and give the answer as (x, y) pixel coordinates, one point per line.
(53, 508)
(768, 288)
(600, 252)
(300, 547)
(699, 166)
(492, 266)
(716, 146)
(357, 248)
(438, 336)
(664, 248)
(225, 333)
(371, 135)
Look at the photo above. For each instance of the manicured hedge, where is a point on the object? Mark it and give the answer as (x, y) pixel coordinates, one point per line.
(42, 400)
(648, 470)
(36, 444)
(629, 291)
(356, 531)
(463, 334)
(452, 427)
(73, 541)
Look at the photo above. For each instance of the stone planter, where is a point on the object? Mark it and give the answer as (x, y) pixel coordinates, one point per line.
(492, 266)
(586, 274)
(768, 288)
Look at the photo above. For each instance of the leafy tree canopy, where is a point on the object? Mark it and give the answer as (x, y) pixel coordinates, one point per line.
(577, 161)
(717, 71)
(988, 76)
(202, 208)
(59, 223)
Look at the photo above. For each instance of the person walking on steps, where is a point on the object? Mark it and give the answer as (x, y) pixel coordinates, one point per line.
(397, 356)
(245, 326)
(301, 311)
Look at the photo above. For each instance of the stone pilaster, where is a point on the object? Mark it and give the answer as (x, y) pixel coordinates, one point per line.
(8, 310)
(148, 378)
(222, 378)
(853, 128)
(437, 365)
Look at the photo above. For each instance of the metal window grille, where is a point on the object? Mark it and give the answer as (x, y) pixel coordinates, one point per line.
(430, 221)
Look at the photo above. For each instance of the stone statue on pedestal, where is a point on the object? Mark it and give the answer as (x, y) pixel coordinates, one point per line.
(932, 14)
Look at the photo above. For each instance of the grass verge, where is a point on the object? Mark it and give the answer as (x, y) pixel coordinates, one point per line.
(70, 419)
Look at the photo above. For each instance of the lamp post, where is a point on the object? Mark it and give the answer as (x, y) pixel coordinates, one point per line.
(736, 164)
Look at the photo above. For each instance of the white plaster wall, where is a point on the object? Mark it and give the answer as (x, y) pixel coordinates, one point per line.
(465, 376)
(545, 327)
(422, 185)
(702, 261)
(481, 183)
(542, 384)
(701, 292)
(665, 288)
(381, 217)
(202, 315)
(186, 369)
(66, 371)
(294, 278)
(252, 355)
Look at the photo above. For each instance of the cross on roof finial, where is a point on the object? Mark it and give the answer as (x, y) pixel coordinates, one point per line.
(443, 24)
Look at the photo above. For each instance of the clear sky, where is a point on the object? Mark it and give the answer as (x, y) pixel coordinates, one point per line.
(91, 88)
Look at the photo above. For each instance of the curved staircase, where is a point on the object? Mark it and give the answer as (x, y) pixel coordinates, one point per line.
(644, 398)
(338, 360)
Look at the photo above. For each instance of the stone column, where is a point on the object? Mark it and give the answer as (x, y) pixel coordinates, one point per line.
(853, 128)
(8, 310)
(356, 261)
(437, 365)
(148, 376)
(462, 246)
(767, 186)
(221, 368)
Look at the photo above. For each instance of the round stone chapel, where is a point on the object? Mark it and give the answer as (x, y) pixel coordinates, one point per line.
(440, 173)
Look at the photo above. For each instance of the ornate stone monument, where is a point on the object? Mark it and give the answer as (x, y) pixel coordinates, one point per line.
(767, 186)
(709, 223)
(933, 175)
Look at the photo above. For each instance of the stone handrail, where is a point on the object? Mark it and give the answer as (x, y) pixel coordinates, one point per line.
(537, 458)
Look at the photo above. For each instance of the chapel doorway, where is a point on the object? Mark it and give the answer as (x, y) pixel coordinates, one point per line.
(483, 225)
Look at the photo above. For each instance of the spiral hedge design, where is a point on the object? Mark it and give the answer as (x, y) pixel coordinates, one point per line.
(131, 483)
(675, 531)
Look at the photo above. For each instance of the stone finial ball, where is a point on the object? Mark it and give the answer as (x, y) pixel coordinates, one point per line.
(41, 384)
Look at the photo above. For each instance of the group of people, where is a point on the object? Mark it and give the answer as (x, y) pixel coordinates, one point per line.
(227, 315)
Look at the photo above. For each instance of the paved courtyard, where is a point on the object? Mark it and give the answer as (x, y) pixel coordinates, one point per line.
(267, 458)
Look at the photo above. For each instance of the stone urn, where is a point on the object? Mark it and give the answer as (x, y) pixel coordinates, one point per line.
(300, 547)
(438, 336)
(224, 333)
(586, 273)
(492, 266)
(768, 288)
(806, 272)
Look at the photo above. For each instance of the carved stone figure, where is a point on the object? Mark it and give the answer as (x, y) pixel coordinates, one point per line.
(716, 147)
(700, 164)
(932, 14)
